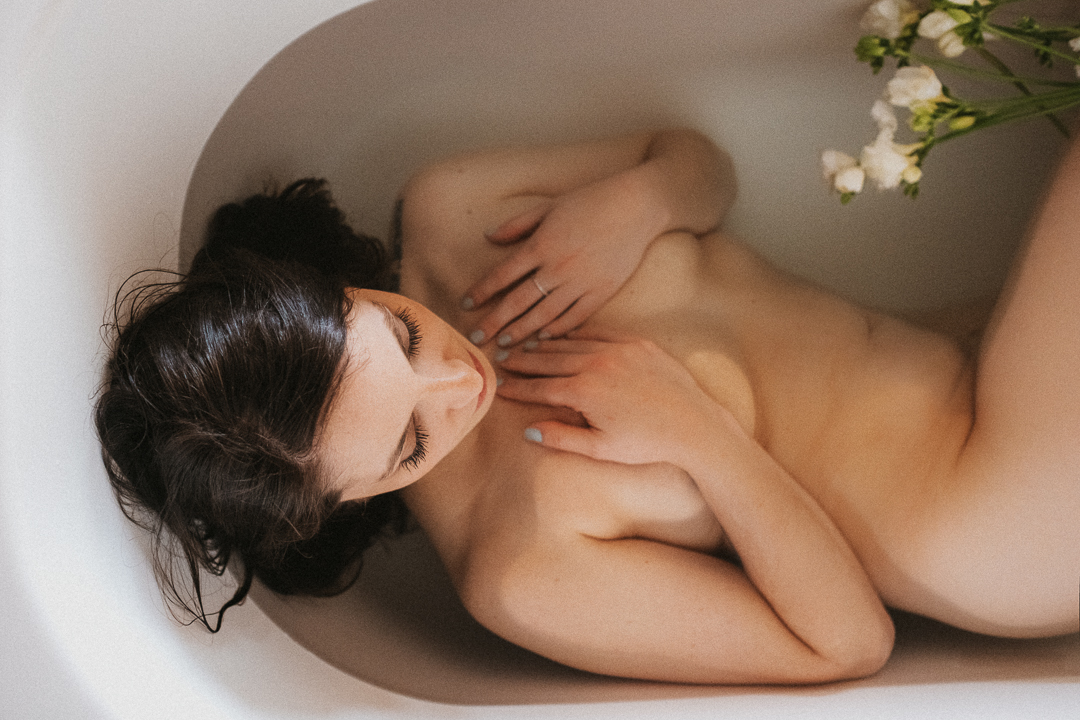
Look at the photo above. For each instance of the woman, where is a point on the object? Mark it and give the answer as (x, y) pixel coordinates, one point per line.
(718, 474)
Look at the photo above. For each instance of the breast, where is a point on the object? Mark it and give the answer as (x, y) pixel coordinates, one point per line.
(667, 280)
(679, 299)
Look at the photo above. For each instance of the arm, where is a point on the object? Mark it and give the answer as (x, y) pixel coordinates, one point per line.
(595, 208)
(801, 608)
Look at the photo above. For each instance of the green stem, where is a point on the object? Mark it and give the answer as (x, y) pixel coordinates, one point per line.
(1062, 102)
(1006, 33)
(961, 69)
(1004, 69)
(1069, 96)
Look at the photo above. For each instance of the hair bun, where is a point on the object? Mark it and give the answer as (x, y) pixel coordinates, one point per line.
(299, 224)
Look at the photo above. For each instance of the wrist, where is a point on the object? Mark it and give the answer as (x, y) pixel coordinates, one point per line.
(715, 433)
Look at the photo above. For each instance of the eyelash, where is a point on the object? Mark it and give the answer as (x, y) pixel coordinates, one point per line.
(414, 332)
(420, 448)
(419, 452)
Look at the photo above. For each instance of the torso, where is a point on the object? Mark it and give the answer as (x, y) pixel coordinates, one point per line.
(865, 411)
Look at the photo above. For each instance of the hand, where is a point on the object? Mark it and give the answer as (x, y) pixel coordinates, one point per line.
(641, 404)
(575, 252)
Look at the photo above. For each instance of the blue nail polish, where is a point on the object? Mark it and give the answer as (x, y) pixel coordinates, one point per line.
(534, 435)
(504, 340)
(501, 355)
(543, 335)
(467, 303)
(531, 344)
(477, 337)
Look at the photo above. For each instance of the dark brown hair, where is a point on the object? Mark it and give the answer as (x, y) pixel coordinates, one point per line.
(214, 394)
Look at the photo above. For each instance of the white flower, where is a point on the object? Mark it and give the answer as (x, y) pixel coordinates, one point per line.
(912, 85)
(962, 2)
(842, 171)
(936, 24)
(885, 118)
(850, 180)
(886, 162)
(887, 18)
(951, 45)
(833, 161)
(1075, 44)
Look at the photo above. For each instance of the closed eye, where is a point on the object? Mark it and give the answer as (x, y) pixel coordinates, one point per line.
(413, 327)
(419, 450)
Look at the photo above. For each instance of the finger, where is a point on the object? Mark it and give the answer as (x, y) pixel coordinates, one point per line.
(519, 226)
(541, 391)
(547, 364)
(565, 345)
(502, 276)
(543, 312)
(575, 316)
(568, 438)
(602, 335)
(516, 303)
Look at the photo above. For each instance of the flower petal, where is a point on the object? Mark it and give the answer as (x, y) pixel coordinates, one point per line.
(936, 24)
(850, 180)
(911, 85)
(834, 162)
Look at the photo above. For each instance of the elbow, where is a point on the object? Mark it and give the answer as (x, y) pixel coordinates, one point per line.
(863, 652)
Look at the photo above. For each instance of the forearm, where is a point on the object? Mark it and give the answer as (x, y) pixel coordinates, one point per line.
(789, 548)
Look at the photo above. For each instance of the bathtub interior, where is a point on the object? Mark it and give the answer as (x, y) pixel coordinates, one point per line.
(128, 125)
(496, 75)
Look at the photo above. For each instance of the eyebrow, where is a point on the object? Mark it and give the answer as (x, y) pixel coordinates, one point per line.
(395, 456)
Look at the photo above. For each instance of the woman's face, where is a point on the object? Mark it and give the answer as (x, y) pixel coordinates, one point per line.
(412, 387)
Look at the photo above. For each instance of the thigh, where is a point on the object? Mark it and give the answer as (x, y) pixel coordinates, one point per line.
(1007, 537)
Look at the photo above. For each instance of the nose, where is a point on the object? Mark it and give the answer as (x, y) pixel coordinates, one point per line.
(454, 383)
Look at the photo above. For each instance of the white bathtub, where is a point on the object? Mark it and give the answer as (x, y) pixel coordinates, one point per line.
(106, 109)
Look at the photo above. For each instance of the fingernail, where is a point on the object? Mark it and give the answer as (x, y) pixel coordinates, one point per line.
(477, 337)
(498, 381)
(543, 335)
(467, 303)
(504, 340)
(531, 344)
(534, 435)
(501, 355)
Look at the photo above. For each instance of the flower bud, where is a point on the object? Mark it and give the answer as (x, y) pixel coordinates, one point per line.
(870, 47)
(962, 123)
(912, 174)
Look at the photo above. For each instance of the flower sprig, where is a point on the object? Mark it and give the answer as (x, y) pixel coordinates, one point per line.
(894, 28)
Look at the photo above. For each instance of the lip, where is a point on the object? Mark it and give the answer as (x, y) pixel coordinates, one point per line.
(483, 378)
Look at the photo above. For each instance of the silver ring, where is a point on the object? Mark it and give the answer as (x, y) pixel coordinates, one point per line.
(539, 287)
